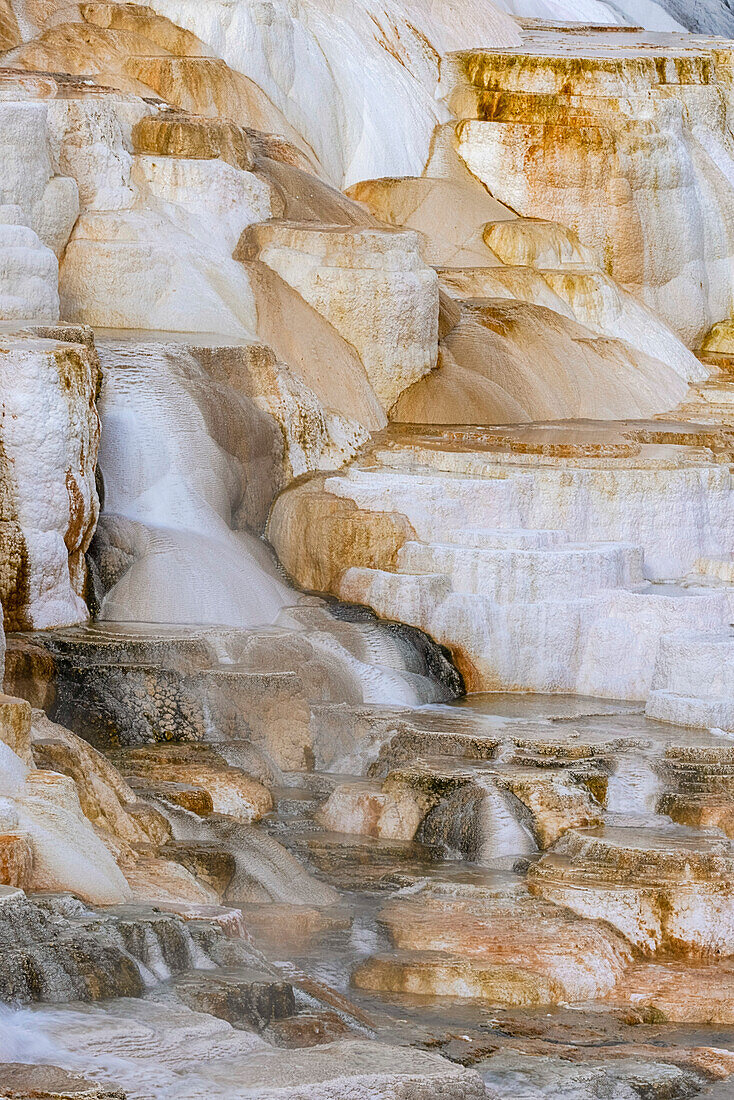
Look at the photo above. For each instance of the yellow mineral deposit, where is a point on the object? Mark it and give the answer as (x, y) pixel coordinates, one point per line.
(366, 527)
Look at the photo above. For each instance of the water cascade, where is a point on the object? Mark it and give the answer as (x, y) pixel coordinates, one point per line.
(366, 526)
(504, 836)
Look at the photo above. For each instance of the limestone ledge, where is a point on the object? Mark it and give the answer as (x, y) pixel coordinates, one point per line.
(499, 522)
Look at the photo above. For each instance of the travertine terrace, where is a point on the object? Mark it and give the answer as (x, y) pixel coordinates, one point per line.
(366, 550)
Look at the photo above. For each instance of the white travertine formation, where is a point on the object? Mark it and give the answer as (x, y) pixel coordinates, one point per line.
(370, 65)
(67, 854)
(145, 215)
(377, 117)
(167, 272)
(501, 568)
(48, 454)
(604, 645)
(205, 196)
(692, 684)
(28, 180)
(371, 285)
(661, 889)
(37, 211)
(629, 148)
(140, 214)
(175, 453)
(30, 271)
(153, 1046)
(89, 135)
(481, 399)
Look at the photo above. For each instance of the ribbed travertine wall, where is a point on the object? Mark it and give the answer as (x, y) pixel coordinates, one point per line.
(626, 144)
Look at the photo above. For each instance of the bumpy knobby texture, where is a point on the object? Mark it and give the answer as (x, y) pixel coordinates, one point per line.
(48, 450)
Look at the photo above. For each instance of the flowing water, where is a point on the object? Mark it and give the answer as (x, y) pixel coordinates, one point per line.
(634, 787)
(504, 835)
(189, 595)
(153, 1045)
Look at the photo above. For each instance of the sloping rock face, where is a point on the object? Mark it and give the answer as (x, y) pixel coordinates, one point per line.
(711, 18)
(49, 840)
(706, 17)
(513, 361)
(392, 320)
(490, 351)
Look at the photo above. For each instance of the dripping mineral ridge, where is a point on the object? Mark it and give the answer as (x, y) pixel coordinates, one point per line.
(367, 550)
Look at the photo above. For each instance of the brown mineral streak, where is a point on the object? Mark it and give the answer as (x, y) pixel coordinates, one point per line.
(14, 575)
